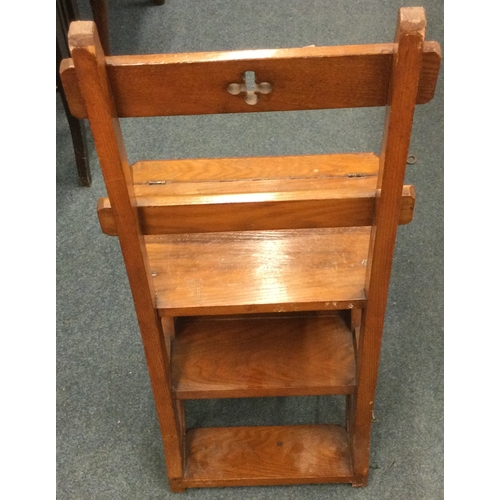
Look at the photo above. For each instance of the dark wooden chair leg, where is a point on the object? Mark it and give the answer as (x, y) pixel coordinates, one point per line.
(78, 137)
(66, 12)
(100, 12)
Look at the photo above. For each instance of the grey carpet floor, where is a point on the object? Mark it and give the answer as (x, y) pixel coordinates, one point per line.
(108, 440)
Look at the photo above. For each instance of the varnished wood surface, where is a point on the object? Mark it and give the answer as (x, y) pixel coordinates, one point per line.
(252, 271)
(403, 93)
(256, 167)
(302, 78)
(327, 204)
(262, 356)
(234, 456)
(238, 194)
(89, 60)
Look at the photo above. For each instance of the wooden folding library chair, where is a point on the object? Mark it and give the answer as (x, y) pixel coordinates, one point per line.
(256, 277)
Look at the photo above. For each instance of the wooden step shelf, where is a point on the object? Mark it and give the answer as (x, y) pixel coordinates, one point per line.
(270, 455)
(262, 355)
(259, 271)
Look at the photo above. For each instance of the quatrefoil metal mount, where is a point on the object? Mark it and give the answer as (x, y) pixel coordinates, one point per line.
(250, 88)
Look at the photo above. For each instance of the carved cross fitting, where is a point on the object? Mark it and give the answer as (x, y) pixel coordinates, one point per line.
(250, 88)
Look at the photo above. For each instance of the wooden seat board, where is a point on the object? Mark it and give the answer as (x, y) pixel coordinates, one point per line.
(253, 271)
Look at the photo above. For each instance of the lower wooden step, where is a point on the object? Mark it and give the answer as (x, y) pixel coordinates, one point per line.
(271, 455)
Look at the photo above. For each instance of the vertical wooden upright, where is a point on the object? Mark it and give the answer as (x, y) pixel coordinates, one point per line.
(407, 60)
(90, 66)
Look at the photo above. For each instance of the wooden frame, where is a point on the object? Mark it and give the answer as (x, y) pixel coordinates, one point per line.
(214, 249)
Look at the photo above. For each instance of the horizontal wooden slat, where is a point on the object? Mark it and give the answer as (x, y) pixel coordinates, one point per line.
(325, 207)
(237, 456)
(255, 167)
(302, 78)
(268, 271)
(260, 356)
(181, 196)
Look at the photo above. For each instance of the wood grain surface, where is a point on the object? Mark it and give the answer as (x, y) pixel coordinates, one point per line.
(262, 356)
(89, 60)
(239, 194)
(403, 93)
(255, 167)
(302, 78)
(234, 456)
(259, 271)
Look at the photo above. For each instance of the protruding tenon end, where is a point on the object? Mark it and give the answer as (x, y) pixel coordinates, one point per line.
(83, 35)
(411, 19)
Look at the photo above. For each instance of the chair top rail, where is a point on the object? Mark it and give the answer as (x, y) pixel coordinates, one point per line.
(284, 80)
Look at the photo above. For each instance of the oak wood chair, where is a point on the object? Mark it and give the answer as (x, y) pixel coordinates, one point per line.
(296, 251)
